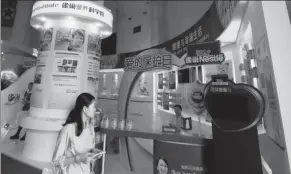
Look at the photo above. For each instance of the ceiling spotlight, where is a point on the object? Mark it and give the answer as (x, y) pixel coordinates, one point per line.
(98, 24)
(70, 18)
(42, 18)
(37, 26)
(106, 33)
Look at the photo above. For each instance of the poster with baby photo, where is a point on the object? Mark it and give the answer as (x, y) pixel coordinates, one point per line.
(46, 39)
(160, 81)
(172, 80)
(70, 39)
(225, 68)
(142, 90)
(94, 44)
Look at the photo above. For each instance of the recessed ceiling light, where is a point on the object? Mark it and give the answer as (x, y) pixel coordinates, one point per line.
(37, 26)
(106, 33)
(98, 24)
(42, 18)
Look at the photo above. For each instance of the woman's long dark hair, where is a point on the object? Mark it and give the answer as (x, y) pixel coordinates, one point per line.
(75, 116)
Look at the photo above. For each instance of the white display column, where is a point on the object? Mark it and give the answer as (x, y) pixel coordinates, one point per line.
(279, 36)
(68, 64)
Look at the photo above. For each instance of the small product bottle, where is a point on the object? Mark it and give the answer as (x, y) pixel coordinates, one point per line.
(114, 123)
(121, 124)
(129, 125)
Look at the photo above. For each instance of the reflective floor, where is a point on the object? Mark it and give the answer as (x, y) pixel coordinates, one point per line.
(14, 149)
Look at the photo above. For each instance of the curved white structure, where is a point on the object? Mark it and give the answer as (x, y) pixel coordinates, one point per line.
(68, 64)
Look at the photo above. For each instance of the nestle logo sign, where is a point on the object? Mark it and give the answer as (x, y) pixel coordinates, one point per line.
(206, 59)
(204, 53)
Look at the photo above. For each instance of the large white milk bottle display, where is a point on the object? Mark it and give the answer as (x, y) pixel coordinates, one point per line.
(68, 64)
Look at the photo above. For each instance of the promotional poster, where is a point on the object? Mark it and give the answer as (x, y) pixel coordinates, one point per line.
(93, 75)
(69, 39)
(46, 39)
(67, 69)
(195, 97)
(160, 81)
(143, 88)
(38, 93)
(272, 118)
(172, 80)
(94, 44)
(179, 161)
(65, 80)
(226, 67)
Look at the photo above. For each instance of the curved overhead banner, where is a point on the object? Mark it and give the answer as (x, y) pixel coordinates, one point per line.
(147, 62)
(210, 26)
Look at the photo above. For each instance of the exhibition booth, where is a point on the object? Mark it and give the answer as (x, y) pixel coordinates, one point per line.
(138, 91)
(245, 48)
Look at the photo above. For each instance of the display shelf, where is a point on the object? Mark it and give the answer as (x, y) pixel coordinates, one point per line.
(141, 99)
(156, 135)
(109, 97)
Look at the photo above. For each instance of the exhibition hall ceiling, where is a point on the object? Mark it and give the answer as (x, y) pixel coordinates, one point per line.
(127, 9)
(289, 8)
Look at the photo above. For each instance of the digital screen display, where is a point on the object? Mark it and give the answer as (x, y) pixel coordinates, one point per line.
(229, 106)
(184, 76)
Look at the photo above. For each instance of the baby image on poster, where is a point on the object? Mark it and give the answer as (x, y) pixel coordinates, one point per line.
(39, 70)
(69, 39)
(142, 86)
(172, 80)
(46, 40)
(94, 44)
(225, 68)
(160, 81)
(37, 78)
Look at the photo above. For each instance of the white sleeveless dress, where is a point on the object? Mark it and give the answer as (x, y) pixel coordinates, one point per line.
(68, 145)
